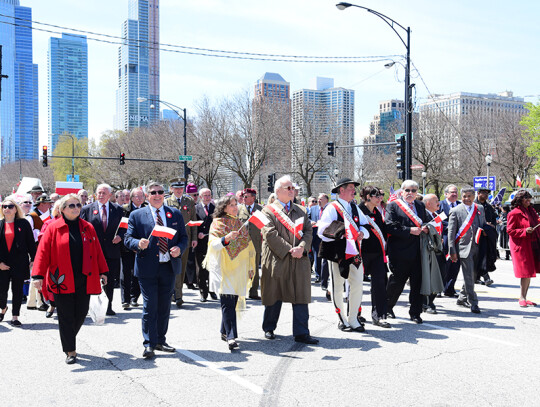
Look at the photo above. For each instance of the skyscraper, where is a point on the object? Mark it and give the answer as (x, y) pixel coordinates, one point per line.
(68, 87)
(19, 134)
(138, 67)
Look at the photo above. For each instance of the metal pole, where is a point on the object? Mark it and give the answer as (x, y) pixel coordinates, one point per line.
(408, 106)
(73, 159)
(487, 182)
(185, 144)
(20, 169)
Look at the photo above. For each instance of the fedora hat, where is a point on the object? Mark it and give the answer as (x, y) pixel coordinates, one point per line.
(43, 199)
(342, 182)
(36, 188)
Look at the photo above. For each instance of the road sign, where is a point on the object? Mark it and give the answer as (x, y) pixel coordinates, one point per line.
(417, 167)
(185, 158)
(69, 178)
(481, 182)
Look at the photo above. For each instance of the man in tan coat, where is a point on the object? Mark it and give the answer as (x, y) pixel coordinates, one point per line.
(186, 205)
(286, 270)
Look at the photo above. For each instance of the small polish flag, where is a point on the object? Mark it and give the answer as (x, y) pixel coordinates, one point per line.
(437, 222)
(537, 180)
(447, 256)
(45, 216)
(478, 234)
(195, 223)
(518, 182)
(259, 219)
(299, 225)
(123, 223)
(163, 231)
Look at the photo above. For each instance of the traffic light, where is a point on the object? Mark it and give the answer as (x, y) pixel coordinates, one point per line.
(44, 156)
(122, 158)
(400, 159)
(271, 182)
(331, 149)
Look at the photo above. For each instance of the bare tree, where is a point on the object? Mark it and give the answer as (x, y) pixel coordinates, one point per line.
(12, 172)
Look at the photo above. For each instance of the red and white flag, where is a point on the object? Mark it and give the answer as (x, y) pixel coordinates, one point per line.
(195, 223)
(537, 180)
(123, 223)
(64, 188)
(478, 235)
(437, 222)
(259, 219)
(298, 225)
(163, 231)
(45, 216)
(518, 182)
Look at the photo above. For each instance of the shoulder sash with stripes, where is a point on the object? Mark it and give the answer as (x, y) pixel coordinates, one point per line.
(408, 211)
(284, 220)
(467, 223)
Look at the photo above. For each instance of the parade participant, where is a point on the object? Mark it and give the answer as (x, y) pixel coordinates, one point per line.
(186, 205)
(83, 196)
(374, 253)
(192, 191)
(524, 242)
(54, 197)
(204, 209)
(120, 199)
(17, 251)
(451, 269)
(503, 231)
(285, 268)
(25, 202)
(36, 192)
(321, 265)
(157, 263)
(343, 252)
(464, 225)
(191, 268)
(240, 197)
(245, 210)
(105, 216)
(231, 263)
(404, 219)
(70, 260)
(487, 251)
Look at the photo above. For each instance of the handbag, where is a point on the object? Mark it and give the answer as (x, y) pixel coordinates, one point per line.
(98, 308)
(335, 230)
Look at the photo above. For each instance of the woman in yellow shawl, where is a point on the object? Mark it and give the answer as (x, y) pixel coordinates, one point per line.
(231, 261)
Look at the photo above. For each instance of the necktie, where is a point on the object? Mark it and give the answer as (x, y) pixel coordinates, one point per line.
(178, 201)
(162, 241)
(250, 208)
(453, 204)
(206, 209)
(411, 205)
(287, 207)
(104, 217)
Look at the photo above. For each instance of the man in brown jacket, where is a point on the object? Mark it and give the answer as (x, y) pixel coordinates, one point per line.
(286, 270)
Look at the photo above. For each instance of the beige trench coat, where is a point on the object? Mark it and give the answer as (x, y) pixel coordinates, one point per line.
(284, 278)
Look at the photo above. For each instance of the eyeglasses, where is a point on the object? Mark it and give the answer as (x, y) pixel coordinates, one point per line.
(73, 206)
(160, 192)
(10, 206)
(27, 202)
(289, 188)
(410, 190)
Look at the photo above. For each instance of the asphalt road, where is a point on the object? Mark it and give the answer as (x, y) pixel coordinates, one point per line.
(454, 358)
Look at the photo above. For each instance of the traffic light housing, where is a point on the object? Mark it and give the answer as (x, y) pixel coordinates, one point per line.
(331, 149)
(122, 158)
(44, 162)
(400, 158)
(271, 182)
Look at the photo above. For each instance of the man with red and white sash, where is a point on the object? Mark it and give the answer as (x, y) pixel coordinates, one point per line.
(464, 231)
(344, 255)
(404, 219)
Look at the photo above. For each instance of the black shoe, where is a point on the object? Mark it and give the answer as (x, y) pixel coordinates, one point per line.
(254, 297)
(431, 309)
(202, 298)
(342, 327)
(224, 337)
(317, 280)
(179, 303)
(213, 296)
(49, 314)
(191, 286)
(416, 319)
(359, 328)
(134, 303)
(148, 352)
(475, 309)
(307, 339)
(233, 345)
(451, 295)
(391, 314)
(488, 282)
(463, 303)
(165, 348)
(480, 282)
(361, 319)
(71, 359)
(32, 308)
(43, 307)
(3, 314)
(328, 295)
(381, 322)
(15, 322)
(110, 313)
(269, 335)
(125, 305)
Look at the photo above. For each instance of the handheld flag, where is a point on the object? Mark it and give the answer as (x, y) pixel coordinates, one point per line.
(537, 180)
(123, 223)
(437, 222)
(259, 219)
(298, 225)
(498, 198)
(163, 231)
(518, 182)
(45, 216)
(478, 235)
(195, 223)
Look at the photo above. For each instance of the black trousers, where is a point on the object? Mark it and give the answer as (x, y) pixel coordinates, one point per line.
(191, 270)
(129, 284)
(451, 271)
(228, 315)
(300, 318)
(401, 271)
(17, 283)
(114, 274)
(375, 266)
(202, 273)
(72, 310)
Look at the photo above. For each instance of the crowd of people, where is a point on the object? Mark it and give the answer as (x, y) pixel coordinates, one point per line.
(151, 243)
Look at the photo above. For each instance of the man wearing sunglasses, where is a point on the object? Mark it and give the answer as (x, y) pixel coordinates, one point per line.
(404, 219)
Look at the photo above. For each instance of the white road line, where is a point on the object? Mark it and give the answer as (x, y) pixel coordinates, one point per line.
(231, 376)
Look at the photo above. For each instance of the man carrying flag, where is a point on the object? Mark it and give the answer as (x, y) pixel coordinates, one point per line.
(158, 235)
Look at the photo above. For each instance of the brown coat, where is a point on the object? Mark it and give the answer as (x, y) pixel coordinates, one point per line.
(284, 278)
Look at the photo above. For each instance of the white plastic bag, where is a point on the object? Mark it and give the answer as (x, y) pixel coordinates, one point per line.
(98, 308)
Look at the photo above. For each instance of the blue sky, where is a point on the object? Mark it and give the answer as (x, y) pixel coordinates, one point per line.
(481, 47)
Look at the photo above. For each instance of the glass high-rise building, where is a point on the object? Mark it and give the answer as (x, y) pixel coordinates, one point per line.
(19, 133)
(68, 87)
(138, 67)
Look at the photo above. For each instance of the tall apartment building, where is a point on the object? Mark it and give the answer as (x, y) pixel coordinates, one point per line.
(19, 133)
(138, 67)
(68, 87)
(319, 116)
(387, 122)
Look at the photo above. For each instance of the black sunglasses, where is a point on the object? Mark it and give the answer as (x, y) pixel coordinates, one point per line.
(27, 202)
(289, 188)
(9, 206)
(410, 190)
(73, 206)
(160, 192)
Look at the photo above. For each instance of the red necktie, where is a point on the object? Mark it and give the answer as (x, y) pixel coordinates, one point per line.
(206, 209)
(104, 217)
(162, 241)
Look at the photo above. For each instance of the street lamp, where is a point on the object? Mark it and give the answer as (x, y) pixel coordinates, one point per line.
(176, 110)
(408, 112)
(489, 160)
(424, 175)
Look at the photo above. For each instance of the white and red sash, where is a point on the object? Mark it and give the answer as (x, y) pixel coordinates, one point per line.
(275, 208)
(467, 223)
(409, 212)
(351, 232)
(379, 235)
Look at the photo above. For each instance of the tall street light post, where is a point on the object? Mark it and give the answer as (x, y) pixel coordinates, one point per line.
(489, 160)
(408, 105)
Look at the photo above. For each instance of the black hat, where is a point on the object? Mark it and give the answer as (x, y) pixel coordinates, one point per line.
(36, 188)
(178, 183)
(484, 189)
(342, 182)
(43, 199)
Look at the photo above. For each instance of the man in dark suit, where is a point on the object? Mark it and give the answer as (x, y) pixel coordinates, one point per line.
(157, 263)
(129, 285)
(451, 269)
(321, 265)
(404, 219)
(244, 212)
(204, 209)
(105, 216)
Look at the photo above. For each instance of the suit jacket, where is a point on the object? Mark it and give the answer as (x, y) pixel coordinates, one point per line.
(187, 209)
(141, 223)
(254, 232)
(128, 208)
(92, 214)
(456, 219)
(205, 227)
(22, 249)
(401, 244)
(445, 207)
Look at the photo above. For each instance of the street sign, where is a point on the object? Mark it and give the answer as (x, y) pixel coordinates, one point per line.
(69, 178)
(417, 167)
(185, 158)
(481, 182)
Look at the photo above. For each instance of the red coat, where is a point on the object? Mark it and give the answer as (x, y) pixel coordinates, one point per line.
(526, 263)
(53, 262)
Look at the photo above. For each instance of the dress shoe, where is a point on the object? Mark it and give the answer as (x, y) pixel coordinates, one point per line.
(475, 309)
(179, 303)
(480, 282)
(269, 335)
(254, 297)
(488, 282)
(43, 307)
(381, 322)
(463, 303)
(391, 314)
(134, 303)
(164, 348)
(71, 359)
(342, 327)
(224, 337)
(191, 286)
(213, 296)
(328, 295)
(451, 295)
(15, 322)
(3, 314)
(202, 298)
(148, 352)
(49, 314)
(359, 328)
(32, 308)
(307, 339)
(232, 344)
(416, 319)
(317, 280)
(110, 313)
(125, 305)
(361, 319)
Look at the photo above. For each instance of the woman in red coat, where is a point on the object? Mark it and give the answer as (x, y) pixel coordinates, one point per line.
(70, 260)
(524, 242)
